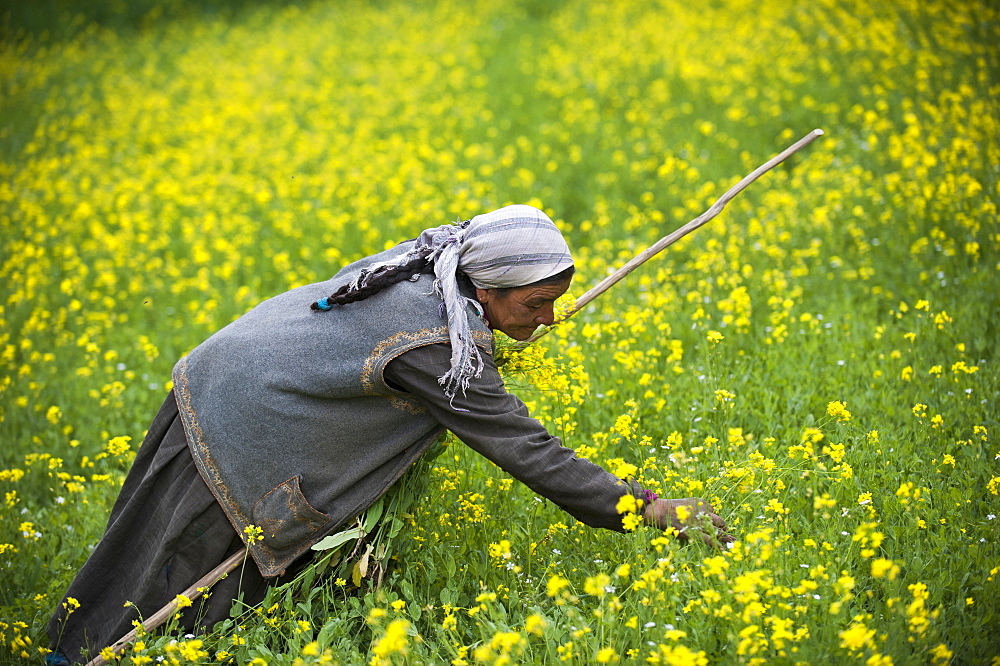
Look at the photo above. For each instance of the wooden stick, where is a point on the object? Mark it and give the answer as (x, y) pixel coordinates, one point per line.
(192, 593)
(672, 238)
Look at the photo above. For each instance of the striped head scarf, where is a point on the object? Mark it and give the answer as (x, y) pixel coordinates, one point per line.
(513, 246)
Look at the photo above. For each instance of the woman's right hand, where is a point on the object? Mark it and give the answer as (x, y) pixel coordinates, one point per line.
(688, 515)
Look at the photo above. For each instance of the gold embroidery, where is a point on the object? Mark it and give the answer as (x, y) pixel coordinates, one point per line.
(210, 470)
(396, 344)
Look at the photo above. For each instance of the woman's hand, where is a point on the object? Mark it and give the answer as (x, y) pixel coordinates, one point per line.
(688, 515)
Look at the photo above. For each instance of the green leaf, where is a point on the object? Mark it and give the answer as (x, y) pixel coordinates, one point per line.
(338, 539)
(372, 515)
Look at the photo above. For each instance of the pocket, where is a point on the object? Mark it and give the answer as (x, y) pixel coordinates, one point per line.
(286, 516)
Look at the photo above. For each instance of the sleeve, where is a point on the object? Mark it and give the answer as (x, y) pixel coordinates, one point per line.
(496, 424)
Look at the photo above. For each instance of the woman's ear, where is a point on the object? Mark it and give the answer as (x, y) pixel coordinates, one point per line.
(483, 295)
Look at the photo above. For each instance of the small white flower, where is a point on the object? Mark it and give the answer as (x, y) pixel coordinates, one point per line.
(846, 533)
(60, 500)
(649, 625)
(991, 516)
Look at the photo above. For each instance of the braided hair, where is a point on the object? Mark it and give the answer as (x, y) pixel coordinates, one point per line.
(379, 280)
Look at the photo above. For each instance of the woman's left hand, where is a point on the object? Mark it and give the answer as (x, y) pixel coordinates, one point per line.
(688, 515)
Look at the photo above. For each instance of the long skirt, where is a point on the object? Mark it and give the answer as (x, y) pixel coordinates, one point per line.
(165, 532)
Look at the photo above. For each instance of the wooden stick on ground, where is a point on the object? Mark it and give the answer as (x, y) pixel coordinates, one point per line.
(192, 593)
(671, 238)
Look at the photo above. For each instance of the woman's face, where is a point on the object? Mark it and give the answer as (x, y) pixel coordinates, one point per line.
(518, 312)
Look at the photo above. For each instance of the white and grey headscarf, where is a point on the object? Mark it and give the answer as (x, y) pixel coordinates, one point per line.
(510, 247)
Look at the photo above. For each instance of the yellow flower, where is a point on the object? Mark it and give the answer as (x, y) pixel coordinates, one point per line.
(182, 601)
(394, 641)
(722, 395)
(631, 522)
(627, 504)
(118, 446)
(715, 337)
(882, 567)
(606, 655)
(994, 485)
(555, 584)
(535, 624)
(838, 410)
(940, 654)
(253, 534)
(856, 637)
(191, 650)
(597, 585)
(715, 566)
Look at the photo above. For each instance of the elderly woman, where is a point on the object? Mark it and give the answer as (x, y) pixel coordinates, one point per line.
(298, 415)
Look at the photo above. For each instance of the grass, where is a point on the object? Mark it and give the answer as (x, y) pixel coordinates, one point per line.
(818, 361)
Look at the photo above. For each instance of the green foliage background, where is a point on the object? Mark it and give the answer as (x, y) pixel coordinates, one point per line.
(166, 166)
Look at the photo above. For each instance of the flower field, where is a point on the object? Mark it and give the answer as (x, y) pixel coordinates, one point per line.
(818, 362)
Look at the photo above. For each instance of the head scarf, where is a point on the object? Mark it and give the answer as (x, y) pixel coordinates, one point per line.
(510, 247)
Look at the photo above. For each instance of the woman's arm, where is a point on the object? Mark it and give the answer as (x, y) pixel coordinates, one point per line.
(496, 424)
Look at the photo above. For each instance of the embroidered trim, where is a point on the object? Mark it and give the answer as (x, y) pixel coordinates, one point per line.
(210, 470)
(397, 344)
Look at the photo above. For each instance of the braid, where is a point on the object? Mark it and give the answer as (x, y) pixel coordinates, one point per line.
(376, 282)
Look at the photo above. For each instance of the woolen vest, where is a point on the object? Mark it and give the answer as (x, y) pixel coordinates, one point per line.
(288, 416)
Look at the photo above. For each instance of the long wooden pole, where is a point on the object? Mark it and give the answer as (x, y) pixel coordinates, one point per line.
(672, 238)
(192, 593)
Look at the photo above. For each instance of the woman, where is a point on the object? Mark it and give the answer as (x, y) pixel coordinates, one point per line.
(298, 415)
